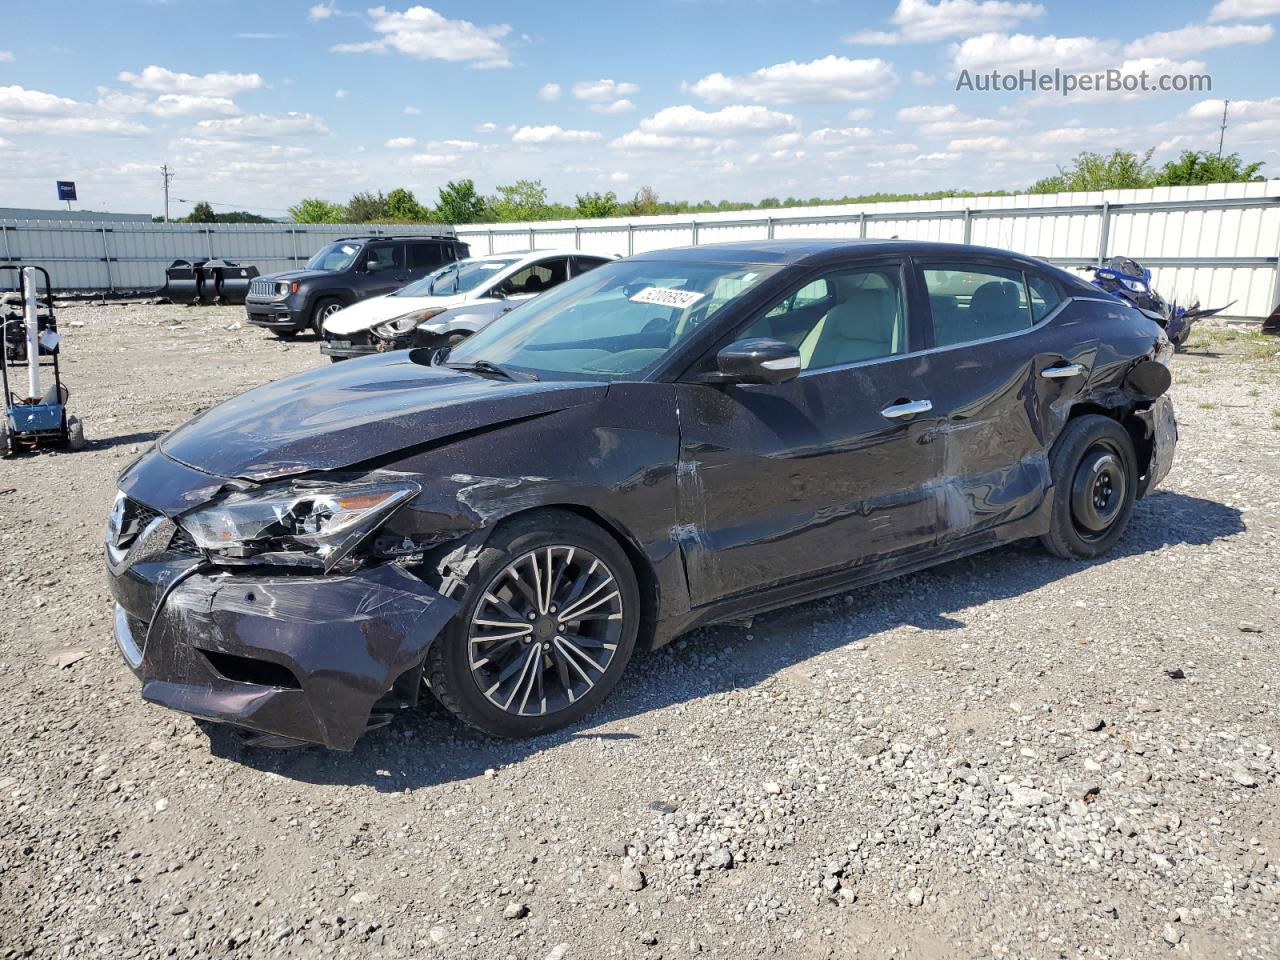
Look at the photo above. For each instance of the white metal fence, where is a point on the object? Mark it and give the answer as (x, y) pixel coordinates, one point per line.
(129, 257)
(1217, 243)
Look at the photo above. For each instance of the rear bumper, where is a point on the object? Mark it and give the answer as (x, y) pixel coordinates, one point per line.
(1163, 430)
(319, 659)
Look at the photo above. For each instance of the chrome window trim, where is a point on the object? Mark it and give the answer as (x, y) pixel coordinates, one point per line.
(1048, 318)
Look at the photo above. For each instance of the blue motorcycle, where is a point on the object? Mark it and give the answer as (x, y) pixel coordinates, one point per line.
(1130, 281)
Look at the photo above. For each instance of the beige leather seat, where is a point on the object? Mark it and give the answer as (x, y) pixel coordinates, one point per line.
(864, 325)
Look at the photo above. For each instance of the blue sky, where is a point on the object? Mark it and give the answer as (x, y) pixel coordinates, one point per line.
(256, 104)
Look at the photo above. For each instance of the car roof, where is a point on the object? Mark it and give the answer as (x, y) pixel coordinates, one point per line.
(539, 254)
(819, 250)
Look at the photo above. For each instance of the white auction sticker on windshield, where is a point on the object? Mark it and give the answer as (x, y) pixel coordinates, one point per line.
(667, 297)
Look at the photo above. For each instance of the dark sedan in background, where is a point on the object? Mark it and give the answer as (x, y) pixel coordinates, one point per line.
(669, 440)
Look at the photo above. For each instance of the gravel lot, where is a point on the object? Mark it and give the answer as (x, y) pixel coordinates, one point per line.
(1008, 756)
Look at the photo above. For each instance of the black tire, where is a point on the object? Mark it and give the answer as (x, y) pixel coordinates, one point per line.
(1095, 480)
(325, 307)
(464, 691)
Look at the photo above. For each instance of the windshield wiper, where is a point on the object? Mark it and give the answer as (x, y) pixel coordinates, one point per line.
(488, 367)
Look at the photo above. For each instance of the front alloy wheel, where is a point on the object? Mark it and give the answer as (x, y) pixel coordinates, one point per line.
(545, 630)
(549, 615)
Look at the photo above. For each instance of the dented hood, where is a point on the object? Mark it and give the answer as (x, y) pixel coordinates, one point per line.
(346, 413)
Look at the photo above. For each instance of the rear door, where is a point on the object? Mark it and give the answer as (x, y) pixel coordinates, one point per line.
(425, 256)
(391, 272)
(828, 471)
(1001, 372)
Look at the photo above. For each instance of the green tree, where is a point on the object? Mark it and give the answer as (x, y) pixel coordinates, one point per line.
(315, 210)
(242, 216)
(521, 201)
(367, 207)
(459, 203)
(1197, 167)
(644, 203)
(403, 205)
(593, 205)
(201, 213)
(1122, 170)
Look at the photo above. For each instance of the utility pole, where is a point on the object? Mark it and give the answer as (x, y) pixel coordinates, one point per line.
(1223, 132)
(168, 175)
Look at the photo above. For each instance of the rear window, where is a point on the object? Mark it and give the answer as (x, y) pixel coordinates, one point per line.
(976, 302)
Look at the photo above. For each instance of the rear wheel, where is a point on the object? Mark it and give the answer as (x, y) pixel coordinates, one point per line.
(1095, 479)
(325, 308)
(549, 617)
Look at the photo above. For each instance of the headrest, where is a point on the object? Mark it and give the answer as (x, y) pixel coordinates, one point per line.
(864, 315)
(995, 297)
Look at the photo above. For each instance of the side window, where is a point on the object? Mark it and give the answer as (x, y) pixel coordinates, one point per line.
(843, 317)
(389, 255)
(1044, 298)
(536, 277)
(583, 264)
(426, 256)
(973, 302)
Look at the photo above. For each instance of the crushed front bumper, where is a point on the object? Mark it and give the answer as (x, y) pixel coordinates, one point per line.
(317, 658)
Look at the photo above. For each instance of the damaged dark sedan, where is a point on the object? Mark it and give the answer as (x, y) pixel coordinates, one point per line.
(678, 438)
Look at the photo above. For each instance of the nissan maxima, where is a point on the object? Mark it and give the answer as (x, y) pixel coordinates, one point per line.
(669, 440)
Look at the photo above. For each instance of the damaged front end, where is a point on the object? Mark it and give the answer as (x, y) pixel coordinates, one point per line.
(264, 605)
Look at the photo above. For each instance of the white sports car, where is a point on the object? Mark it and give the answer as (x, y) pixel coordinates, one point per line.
(447, 306)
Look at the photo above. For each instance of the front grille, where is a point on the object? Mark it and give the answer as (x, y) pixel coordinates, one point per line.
(183, 544)
(263, 289)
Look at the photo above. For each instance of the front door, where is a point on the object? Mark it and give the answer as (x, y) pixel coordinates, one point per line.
(830, 470)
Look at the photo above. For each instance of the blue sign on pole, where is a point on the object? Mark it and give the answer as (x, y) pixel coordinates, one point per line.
(66, 189)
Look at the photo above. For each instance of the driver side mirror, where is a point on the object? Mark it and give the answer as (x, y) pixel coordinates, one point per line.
(373, 266)
(756, 360)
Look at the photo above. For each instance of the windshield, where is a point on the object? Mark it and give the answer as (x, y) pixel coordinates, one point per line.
(461, 277)
(616, 322)
(334, 258)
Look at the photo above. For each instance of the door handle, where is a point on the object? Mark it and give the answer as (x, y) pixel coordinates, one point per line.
(908, 409)
(1063, 373)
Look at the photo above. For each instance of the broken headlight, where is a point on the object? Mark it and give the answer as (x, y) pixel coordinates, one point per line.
(304, 524)
(405, 323)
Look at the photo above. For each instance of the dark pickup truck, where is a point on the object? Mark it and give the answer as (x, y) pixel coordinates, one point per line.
(341, 273)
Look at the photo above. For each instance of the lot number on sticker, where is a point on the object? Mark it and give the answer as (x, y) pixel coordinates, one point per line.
(667, 297)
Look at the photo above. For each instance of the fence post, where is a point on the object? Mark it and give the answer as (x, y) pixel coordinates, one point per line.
(693, 231)
(1275, 286)
(577, 237)
(1104, 232)
(106, 258)
(491, 241)
(293, 244)
(533, 240)
(4, 232)
(968, 225)
(208, 236)
(769, 226)
(631, 239)
(862, 224)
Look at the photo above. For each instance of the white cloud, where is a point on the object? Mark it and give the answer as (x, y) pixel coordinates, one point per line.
(919, 21)
(434, 159)
(642, 140)
(782, 141)
(340, 93)
(401, 143)
(6, 56)
(162, 80)
(858, 114)
(427, 35)
(15, 99)
(263, 125)
(1250, 121)
(685, 120)
(841, 135)
(413, 111)
(1195, 38)
(980, 144)
(187, 105)
(74, 126)
(486, 127)
(1153, 67)
(830, 78)
(617, 106)
(549, 91)
(619, 177)
(948, 120)
(553, 134)
(5, 143)
(1243, 9)
(922, 79)
(50, 113)
(454, 146)
(1007, 52)
(323, 11)
(928, 113)
(603, 91)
